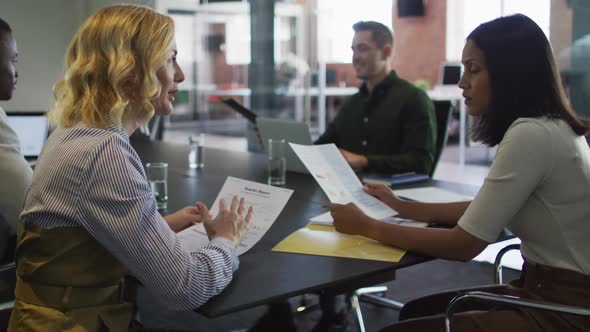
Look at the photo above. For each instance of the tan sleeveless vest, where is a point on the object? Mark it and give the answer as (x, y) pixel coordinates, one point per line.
(66, 281)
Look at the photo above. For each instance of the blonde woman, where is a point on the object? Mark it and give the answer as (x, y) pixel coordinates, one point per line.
(89, 217)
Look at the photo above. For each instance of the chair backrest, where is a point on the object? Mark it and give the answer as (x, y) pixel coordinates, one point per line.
(7, 282)
(7, 249)
(443, 110)
(7, 285)
(156, 127)
(7, 242)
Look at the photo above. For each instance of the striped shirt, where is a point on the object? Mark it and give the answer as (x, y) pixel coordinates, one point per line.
(93, 178)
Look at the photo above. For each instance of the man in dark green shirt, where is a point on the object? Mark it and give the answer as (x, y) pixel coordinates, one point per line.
(389, 125)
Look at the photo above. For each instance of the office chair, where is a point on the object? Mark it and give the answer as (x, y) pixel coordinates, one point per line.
(508, 300)
(7, 285)
(7, 252)
(373, 295)
(156, 127)
(443, 110)
(8, 245)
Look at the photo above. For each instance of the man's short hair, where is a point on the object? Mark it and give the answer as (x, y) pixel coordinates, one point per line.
(5, 27)
(380, 33)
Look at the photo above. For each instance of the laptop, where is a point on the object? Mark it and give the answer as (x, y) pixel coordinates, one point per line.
(289, 130)
(31, 129)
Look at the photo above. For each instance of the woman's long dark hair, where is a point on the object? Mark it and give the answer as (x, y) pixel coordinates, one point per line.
(523, 77)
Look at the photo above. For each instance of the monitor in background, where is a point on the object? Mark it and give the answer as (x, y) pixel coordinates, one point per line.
(32, 129)
(410, 8)
(450, 73)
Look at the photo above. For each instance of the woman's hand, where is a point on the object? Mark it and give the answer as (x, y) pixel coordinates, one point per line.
(185, 217)
(349, 219)
(383, 193)
(230, 223)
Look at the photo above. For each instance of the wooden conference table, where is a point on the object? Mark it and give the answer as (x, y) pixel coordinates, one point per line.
(265, 276)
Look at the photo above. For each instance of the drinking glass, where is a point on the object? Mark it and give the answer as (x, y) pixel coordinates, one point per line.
(195, 152)
(277, 163)
(157, 175)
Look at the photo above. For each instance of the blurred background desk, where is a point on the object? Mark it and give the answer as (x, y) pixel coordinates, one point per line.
(302, 103)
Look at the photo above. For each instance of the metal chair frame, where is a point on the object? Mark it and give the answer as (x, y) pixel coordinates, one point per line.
(7, 285)
(443, 111)
(508, 300)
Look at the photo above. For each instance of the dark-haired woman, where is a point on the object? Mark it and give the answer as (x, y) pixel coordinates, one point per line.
(538, 187)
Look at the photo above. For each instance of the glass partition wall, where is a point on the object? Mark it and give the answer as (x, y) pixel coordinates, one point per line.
(311, 61)
(214, 41)
(310, 74)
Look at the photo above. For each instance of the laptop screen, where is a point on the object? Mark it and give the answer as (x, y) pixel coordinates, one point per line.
(31, 129)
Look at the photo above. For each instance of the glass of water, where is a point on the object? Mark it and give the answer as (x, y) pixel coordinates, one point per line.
(277, 163)
(157, 175)
(196, 158)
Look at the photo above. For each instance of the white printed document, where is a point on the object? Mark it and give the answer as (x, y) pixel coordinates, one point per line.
(267, 202)
(337, 179)
(431, 195)
(326, 219)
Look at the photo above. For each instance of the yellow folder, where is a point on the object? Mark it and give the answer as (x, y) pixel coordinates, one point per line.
(324, 240)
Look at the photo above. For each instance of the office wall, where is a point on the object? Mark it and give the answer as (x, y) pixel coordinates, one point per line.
(560, 31)
(94, 5)
(579, 82)
(419, 42)
(419, 46)
(43, 30)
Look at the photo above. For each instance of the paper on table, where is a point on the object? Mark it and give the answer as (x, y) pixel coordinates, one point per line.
(405, 222)
(431, 195)
(322, 219)
(267, 201)
(326, 219)
(325, 241)
(338, 180)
